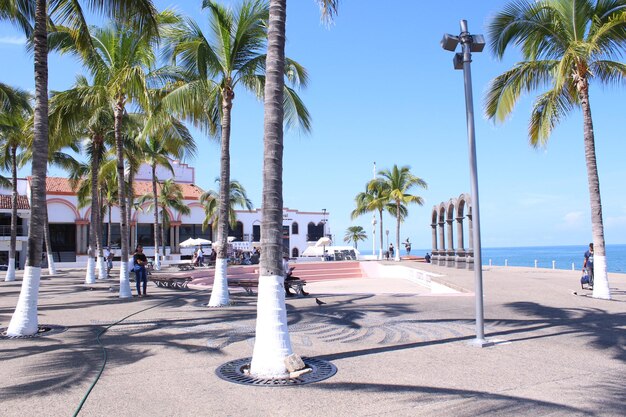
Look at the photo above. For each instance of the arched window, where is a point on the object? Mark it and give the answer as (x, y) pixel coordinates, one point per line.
(295, 253)
(294, 228)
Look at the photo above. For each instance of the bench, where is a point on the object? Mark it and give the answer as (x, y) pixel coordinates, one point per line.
(178, 283)
(248, 284)
(184, 266)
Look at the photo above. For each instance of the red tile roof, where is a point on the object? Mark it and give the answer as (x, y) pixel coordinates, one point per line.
(22, 202)
(57, 185)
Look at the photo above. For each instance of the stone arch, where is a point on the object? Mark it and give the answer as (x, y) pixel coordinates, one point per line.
(65, 203)
(136, 213)
(443, 217)
(433, 225)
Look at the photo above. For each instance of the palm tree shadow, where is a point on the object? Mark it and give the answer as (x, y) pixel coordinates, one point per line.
(457, 402)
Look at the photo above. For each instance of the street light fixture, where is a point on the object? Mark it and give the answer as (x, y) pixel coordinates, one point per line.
(374, 235)
(324, 222)
(387, 233)
(471, 43)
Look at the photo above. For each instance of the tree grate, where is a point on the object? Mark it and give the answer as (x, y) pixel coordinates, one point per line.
(235, 372)
(42, 330)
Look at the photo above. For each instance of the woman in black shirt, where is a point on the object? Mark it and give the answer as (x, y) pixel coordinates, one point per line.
(139, 266)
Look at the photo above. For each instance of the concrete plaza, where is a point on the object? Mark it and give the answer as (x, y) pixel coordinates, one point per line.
(399, 349)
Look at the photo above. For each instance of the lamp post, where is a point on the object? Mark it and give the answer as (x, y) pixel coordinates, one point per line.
(324, 222)
(471, 43)
(374, 235)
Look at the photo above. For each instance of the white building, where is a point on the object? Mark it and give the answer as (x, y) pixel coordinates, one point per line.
(69, 224)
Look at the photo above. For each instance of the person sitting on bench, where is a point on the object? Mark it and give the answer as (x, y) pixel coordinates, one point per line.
(288, 273)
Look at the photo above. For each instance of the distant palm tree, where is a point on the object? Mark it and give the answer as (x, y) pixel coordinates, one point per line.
(170, 196)
(355, 234)
(565, 45)
(210, 200)
(395, 184)
(14, 132)
(233, 56)
(373, 199)
(272, 344)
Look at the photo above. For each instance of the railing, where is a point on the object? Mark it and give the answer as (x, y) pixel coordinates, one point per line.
(5, 230)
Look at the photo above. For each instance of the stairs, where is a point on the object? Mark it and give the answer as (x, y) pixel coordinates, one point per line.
(308, 271)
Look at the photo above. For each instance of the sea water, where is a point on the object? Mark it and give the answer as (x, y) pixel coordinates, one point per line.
(563, 256)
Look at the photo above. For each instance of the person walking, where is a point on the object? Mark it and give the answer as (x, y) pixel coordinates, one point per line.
(588, 263)
(407, 247)
(139, 266)
(391, 249)
(108, 255)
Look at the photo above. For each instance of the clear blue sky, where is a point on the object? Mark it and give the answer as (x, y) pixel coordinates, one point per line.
(382, 89)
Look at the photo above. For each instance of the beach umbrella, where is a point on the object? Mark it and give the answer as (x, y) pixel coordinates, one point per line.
(323, 241)
(201, 242)
(188, 243)
(231, 238)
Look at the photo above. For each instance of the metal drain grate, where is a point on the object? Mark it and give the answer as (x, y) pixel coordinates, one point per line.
(42, 330)
(234, 371)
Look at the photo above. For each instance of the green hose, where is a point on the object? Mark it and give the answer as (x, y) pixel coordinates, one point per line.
(104, 351)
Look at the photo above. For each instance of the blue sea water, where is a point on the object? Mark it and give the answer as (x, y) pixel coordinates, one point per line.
(563, 256)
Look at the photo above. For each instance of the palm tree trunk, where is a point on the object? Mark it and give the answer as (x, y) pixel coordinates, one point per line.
(397, 257)
(102, 273)
(162, 228)
(10, 276)
(380, 214)
(219, 294)
(121, 184)
(129, 201)
(109, 228)
(272, 344)
(601, 280)
(90, 277)
(24, 319)
(49, 253)
(157, 262)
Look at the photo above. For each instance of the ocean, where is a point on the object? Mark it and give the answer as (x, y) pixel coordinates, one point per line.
(563, 256)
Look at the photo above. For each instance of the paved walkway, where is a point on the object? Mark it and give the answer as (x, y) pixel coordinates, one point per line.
(399, 350)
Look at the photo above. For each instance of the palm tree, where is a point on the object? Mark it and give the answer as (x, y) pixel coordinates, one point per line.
(32, 17)
(396, 183)
(120, 61)
(78, 113)
(564, 46)
(373, 199)
(272, 344)
(354, 234)
(13, 134)
(170, 196)
(210, 200)
(168, 138)
(234, 58)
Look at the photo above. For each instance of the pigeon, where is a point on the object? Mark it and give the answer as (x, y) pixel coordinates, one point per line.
(319, 302)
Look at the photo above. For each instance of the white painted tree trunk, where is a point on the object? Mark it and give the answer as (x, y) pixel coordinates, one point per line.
(157, 262)
(10, 276)
(272, 344)
(24, 320)
(52, 270)
(219, 294)
(124, 281)
(102, 269)
(90, 278)
(601, 281)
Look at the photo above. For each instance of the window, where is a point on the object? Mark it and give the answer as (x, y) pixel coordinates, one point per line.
(294, 228)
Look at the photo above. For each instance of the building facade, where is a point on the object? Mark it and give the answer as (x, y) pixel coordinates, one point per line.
(69, 223)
